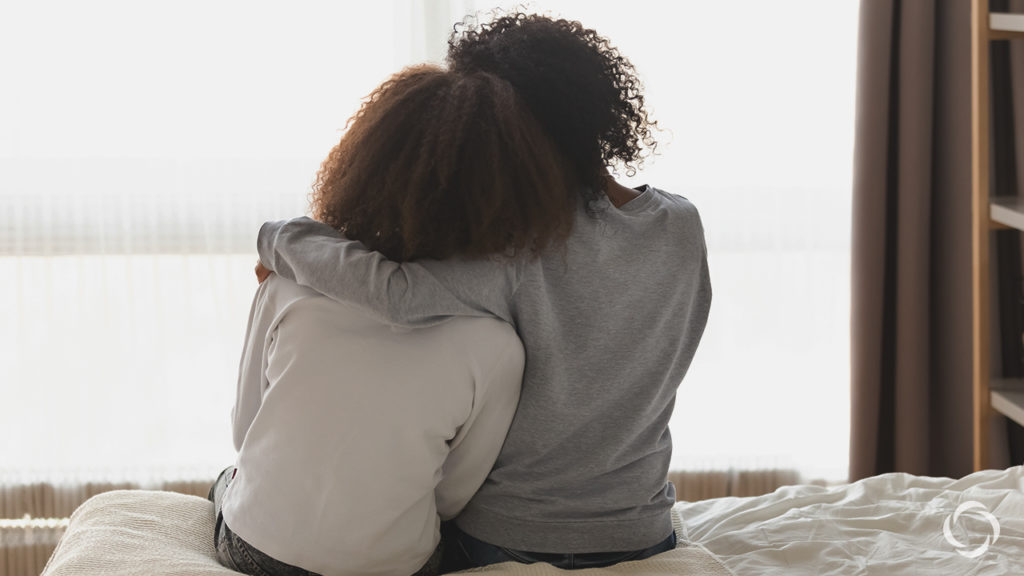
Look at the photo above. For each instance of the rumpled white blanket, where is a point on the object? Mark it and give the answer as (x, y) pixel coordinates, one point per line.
(143, 533)
(891, 525)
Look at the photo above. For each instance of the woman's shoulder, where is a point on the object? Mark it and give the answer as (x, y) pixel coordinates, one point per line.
(278, 292)
(677, 202)
(485, 343)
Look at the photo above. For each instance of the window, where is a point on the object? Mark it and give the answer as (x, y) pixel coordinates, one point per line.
(142, 146)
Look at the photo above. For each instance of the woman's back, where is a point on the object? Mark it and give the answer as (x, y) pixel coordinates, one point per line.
(347, 426)
(610, 324)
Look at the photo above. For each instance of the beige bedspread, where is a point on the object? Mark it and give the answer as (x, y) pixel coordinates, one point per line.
(143, 533)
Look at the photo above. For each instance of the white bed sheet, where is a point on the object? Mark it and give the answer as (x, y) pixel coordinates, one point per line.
(889, 525)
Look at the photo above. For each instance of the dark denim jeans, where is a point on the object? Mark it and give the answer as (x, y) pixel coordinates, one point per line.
(237, 554)
(240, 556)
(464, 551)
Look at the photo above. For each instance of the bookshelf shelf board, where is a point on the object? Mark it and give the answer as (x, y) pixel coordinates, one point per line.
(1007, 210)
(1007, 397)
(1006, 26)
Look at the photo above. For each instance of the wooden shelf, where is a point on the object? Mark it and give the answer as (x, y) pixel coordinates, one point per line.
(1007, 210)
(1004, 26)
(989, 395)
(1008, 398)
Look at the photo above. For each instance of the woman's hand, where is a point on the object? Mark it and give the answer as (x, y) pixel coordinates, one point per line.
(262, 272)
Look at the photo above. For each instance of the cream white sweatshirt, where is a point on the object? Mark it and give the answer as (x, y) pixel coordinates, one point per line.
(355, 437)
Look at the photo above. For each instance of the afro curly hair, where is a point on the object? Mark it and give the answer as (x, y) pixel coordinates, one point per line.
(437, 164)
(584, 93)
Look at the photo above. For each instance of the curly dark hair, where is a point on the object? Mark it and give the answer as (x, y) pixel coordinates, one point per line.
(581, 89)
(437, 164)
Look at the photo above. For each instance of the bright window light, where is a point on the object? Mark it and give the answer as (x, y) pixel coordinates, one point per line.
(142, 144)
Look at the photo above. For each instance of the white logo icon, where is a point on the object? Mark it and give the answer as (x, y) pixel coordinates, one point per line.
(984, 513)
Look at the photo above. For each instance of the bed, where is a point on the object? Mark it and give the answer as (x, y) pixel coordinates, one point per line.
(893, 524)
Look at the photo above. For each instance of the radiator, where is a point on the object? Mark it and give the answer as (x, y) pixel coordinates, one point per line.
(692, 486)
(26, 545)
(33, 516)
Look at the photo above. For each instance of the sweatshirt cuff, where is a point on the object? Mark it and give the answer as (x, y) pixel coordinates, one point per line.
(265, 242)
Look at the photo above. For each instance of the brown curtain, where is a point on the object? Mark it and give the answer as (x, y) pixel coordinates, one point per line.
(911, 293)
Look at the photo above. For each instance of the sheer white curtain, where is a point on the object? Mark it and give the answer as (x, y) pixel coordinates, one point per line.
(756, 102)
(142, 144)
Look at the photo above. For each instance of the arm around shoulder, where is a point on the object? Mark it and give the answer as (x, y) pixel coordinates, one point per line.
(319, 257)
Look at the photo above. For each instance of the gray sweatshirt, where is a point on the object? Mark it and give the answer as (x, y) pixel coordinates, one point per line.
(609, 321)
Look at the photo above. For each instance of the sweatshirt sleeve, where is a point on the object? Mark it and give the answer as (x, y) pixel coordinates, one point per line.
(405, 294)
(475, 447)
(252, 380)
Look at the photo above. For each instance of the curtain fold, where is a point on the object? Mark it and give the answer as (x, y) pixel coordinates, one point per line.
(911, 263)
(910, 324)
